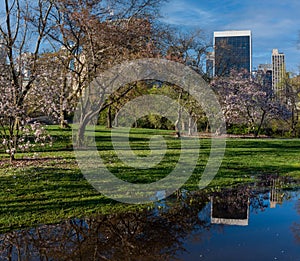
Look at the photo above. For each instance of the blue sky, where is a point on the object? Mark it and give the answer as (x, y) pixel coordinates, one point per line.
(274, 23)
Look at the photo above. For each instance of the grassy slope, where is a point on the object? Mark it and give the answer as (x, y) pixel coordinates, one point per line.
(37, 191)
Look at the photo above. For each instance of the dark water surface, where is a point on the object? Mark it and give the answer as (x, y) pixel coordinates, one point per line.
(257, 222)
(271, 232)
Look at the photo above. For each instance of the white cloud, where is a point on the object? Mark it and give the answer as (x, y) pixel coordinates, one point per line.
(274, 23)
(183, 14)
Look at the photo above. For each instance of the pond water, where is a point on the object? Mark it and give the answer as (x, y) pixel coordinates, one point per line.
(257, 222)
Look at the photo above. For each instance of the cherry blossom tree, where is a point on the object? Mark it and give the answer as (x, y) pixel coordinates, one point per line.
(97, 35)
(19, 69)
(15, 134)
(246, 101)
(54, 84)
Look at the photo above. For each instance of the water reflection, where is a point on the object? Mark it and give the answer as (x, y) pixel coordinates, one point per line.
(296, 225)
(230, 207)
(126, 236)
(166, 232)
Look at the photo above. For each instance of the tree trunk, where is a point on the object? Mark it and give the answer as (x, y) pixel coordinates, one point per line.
(81, 130)
(207, 127)
(182, 125)
(178, 121)
(109, 120)
(116, 121)
(80, 136)
(190, 127)
(62, 118)
(177, 129)
(256, 133)
(294, 122)
(61, 106)
(11, 158)
(135, 125)
(194, 127)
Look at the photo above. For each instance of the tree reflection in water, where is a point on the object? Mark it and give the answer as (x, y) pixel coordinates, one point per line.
(145, 235)
(155, 234)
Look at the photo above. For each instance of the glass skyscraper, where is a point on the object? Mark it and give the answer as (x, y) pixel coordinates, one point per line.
(232, 50)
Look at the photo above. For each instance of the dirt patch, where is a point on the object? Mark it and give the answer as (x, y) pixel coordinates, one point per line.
(27, 162)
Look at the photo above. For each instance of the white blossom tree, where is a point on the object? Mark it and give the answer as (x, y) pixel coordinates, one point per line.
(247, 101)
(18, 69)
(53, 85)
(97, 35)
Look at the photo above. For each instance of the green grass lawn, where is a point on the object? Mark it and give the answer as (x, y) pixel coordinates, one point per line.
(48, 186)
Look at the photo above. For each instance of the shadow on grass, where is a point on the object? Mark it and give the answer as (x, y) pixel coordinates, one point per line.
(46, 195)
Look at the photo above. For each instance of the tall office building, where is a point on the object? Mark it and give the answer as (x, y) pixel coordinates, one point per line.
(278, 70)
(233, 50)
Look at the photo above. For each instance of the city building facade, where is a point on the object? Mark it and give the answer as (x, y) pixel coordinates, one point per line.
(232, 50)
(278, 70)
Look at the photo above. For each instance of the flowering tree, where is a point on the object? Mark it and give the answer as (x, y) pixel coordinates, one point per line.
(96, 36)
(15, 133)
(247, 101)
(93, 35)
(18, 70)
(53, 85)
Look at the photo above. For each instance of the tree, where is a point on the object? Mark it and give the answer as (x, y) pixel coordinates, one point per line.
(19, 66)
(94, 35)
(189, 49)
(97, 38)
(116, 102)
(246, 101)
(195, 113)
(291, 98)
(53, 86)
